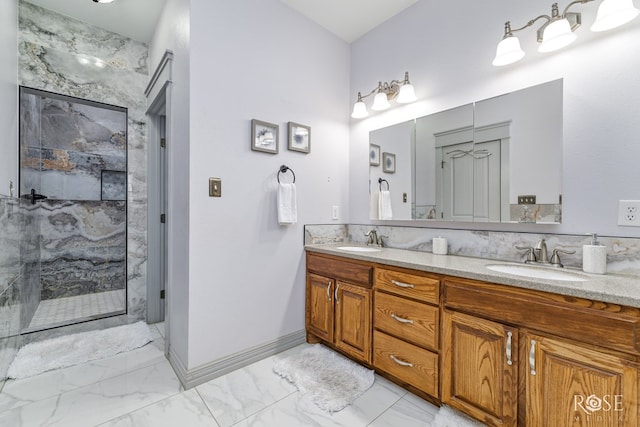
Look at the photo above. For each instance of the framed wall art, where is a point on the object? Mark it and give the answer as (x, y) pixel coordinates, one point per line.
(264, 136)
(374, 155)
(388, 163)
(299, 137)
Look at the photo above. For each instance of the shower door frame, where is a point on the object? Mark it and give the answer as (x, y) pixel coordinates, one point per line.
(58, 96)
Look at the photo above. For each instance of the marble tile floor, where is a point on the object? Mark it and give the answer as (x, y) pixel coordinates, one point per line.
(139, 389)
(60, 311)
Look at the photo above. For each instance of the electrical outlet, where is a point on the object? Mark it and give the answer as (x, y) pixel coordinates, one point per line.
(335, 212)
(629, 213)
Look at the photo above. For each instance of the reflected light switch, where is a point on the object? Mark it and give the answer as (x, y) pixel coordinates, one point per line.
(215, 187)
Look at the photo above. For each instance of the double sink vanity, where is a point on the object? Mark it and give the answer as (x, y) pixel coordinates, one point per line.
(508, 344)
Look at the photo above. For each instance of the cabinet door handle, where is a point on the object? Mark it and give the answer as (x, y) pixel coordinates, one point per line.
(402, 285)
(329, 290)
(401, 319)
(401, 362)
(509, 336)
(532, 357)
(336, 293)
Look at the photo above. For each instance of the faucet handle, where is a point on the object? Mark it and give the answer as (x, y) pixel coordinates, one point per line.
(555, 258)
(531, 254)
(380, 241)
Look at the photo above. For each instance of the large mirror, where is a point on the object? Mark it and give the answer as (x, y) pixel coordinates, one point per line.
(495, 160)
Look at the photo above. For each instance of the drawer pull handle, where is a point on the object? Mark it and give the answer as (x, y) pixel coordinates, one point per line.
(532, 357)
(509, 336)
(329, 290)
(402, 285)
(401, 319)
(401, 362)
(336, 294)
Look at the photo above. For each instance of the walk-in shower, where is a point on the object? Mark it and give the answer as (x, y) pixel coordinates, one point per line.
(73, 185)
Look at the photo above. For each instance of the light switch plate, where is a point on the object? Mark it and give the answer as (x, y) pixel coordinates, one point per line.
(215, 187)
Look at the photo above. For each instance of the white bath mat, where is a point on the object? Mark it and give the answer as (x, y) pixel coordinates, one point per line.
(328, 379)
(447, 417)
(70, 350)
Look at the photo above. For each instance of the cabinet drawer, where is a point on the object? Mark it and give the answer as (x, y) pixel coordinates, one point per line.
(410, 285)
(406, 319)
(407, 362)
(340, 269)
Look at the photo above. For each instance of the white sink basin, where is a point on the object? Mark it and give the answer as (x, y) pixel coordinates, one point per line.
(358, 249)
(536, 272)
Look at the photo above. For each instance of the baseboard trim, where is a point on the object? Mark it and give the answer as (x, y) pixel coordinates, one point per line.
(178, 366)
(193, 377)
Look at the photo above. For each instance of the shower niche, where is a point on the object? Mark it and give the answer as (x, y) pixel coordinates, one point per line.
(73, 191)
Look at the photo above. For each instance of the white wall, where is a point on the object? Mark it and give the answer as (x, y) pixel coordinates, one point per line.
(9, 96)
(172, 33)
(448, 47)
(258, 59)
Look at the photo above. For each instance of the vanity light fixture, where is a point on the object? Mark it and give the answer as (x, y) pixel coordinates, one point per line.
(558, 31)
(400, 90)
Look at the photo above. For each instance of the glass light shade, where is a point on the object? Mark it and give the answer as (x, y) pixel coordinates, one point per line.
(407, 94)
(556, 35)
(380, 102)
(508, 51)
(614, 13)
(359, 110)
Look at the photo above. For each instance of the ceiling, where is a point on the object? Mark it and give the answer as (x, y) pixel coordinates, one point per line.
(348, 19)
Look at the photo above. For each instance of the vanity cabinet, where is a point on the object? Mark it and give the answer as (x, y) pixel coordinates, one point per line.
(499, 367)
(338, 305)
(406, 322)
(568, 383)
(480, 368)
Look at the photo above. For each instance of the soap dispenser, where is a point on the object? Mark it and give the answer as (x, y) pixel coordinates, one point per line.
(594, 256)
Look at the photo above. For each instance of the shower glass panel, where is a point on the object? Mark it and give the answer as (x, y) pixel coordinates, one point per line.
(73, 188)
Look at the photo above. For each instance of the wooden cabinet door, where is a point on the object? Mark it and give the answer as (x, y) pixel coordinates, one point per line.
(568, 384)
(319, 310)
(353, 320)
(479, 368)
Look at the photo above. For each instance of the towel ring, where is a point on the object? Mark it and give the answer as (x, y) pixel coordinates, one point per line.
(380, 181)
(285, 169)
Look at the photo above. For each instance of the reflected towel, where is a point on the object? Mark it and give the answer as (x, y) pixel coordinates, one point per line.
(384, 205)
(287, 204)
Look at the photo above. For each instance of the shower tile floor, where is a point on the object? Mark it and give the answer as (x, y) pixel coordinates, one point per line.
(139, 388)
(54, 312)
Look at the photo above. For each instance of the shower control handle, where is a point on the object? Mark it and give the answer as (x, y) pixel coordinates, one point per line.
(33, 196)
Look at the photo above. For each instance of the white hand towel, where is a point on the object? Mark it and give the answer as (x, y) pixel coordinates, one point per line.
(384, 205)
(287, 204)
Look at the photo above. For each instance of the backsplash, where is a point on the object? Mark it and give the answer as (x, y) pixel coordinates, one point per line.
(623, 254)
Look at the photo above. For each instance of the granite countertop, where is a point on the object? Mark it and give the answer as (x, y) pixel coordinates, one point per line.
(611, 288)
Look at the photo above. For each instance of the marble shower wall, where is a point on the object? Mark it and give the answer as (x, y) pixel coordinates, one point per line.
(623, 254)
(66, 56)
(10, 266)
(68, 148)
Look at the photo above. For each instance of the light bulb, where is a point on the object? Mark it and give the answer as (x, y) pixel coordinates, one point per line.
(359, 110)
(614, 13)
(508, 51)
(556, 35)
(407, 94)
(380, 102)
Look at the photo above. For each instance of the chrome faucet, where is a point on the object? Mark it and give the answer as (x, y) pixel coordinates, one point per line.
(538, 254)
(374, 239)
(541, 248)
